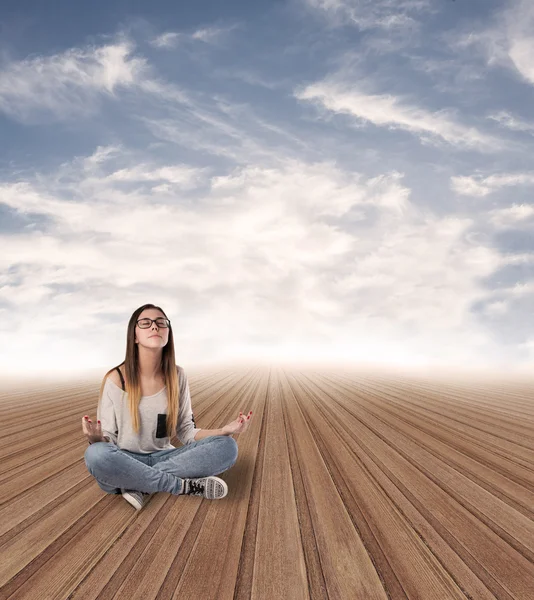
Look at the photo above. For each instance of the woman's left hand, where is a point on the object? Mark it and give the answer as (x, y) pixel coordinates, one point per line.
(240, 424)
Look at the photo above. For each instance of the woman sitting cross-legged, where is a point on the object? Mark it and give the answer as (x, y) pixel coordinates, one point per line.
(142, 404)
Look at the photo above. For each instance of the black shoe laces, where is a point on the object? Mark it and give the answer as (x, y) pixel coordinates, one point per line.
(196, 488)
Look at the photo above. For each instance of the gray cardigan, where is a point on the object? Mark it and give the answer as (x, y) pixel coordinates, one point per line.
(114, 415)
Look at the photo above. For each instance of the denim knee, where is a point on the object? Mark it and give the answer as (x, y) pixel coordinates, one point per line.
(230, 447)
(94, 453)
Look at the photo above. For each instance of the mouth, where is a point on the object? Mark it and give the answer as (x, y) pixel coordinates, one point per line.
(155, 335)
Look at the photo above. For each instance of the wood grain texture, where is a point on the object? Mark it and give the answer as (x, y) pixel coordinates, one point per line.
(348, 485)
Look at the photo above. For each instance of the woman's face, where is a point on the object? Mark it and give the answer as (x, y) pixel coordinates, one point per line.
(153, 336)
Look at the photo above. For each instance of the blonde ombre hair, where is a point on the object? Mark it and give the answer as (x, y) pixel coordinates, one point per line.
(131, 375)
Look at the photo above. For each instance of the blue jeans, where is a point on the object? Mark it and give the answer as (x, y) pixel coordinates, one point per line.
(161, 471)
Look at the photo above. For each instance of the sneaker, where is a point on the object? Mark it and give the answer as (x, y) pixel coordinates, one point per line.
(209, 487)
(135, 498)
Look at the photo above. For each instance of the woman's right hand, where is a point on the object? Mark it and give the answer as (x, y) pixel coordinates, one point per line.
(93, 433)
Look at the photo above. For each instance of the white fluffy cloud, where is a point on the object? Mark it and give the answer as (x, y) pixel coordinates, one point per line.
(513, 216)
(68, 84)
(389, 111)
(350, 255)
(506, 42)
(520, 19)
(480, 186)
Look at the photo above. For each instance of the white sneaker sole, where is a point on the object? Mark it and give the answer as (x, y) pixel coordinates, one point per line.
(133, 500)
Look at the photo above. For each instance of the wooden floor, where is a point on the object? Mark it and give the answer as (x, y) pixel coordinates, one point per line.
(347, 486)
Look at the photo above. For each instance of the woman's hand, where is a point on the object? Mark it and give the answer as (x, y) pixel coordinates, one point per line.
(93, 433)
(240, 424)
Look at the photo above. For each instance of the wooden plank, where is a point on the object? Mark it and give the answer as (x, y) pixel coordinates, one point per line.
(347, 567)
(279, 566)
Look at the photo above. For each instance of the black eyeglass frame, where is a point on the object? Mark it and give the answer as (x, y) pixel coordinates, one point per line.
(152, 321)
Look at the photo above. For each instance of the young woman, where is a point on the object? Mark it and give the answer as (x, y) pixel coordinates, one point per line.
(142, 404)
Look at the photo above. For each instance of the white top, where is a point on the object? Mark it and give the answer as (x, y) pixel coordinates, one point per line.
(114, 416)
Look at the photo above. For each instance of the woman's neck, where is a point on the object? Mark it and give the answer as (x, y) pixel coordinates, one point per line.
(150, 365)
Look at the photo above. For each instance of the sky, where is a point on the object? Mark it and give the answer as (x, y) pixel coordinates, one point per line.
(333, 181)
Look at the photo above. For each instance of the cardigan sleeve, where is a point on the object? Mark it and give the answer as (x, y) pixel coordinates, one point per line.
(185, 429)
(106, 414)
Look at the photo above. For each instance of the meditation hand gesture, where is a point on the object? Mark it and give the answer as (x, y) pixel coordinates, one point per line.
(93, 433)
(239, 425)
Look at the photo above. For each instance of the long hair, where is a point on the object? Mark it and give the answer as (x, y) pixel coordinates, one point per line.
(131, 368)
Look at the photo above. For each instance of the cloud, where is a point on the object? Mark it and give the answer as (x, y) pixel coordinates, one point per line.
(520, 20)
(68, 84)
(392, 112)
(349, 254)
(505, 119)
(182, 175)
(252, 78)
(101, 155)
(212, 35)
(169, 39)
(73, 83)
(507, 42)
(512, 216)
(279, 248)
(221, 128)
(371, 14)
(479, 186)
(208, 35)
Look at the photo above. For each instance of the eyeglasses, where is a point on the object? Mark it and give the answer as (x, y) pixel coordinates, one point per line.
(146, 323)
